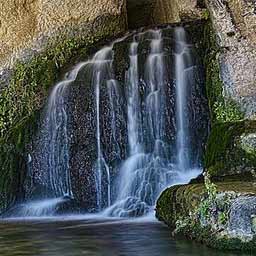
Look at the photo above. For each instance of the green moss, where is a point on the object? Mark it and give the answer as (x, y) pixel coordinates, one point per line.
(224, 154)
(227, 111)
(13, 159)
(205, 14)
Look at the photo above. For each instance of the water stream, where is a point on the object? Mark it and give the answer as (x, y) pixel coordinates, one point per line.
(148, 168)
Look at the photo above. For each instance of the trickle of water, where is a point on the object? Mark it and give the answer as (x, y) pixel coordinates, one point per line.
(133, 105)
(182, 53)
(102, 70)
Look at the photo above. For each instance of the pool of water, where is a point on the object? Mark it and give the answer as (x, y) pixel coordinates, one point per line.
(78, 236)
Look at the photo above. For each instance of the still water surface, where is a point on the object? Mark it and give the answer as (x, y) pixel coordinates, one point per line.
(65, 237)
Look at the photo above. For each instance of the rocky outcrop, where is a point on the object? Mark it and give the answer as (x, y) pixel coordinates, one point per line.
(231, 77)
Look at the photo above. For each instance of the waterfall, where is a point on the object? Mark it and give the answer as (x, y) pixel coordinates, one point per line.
(56, 146)
(41, 208)
(52, 153)
(133, 105)
(142, 130)
(53, 147)
(148, 168)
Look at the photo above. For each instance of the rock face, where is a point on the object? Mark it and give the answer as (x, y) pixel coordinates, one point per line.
(150, 12)
(242, 211)
(26, 25)
(234, 22)
(222, 214)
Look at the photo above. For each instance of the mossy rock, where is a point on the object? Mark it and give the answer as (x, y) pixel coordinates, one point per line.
(224, 153)
(179, 202)
(222, 107)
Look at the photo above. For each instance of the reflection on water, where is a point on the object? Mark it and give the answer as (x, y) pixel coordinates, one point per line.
(94, 237)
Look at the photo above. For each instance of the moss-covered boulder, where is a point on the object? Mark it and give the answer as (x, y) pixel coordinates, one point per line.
(221, 215)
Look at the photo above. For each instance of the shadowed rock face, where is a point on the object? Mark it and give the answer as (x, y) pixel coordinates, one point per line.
(149, 12)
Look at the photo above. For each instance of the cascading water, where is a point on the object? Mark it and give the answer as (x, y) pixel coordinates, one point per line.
(148, 168)
(41, 208)
(142, 130)
(52, 153)
(182, 55)
(56, 143)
